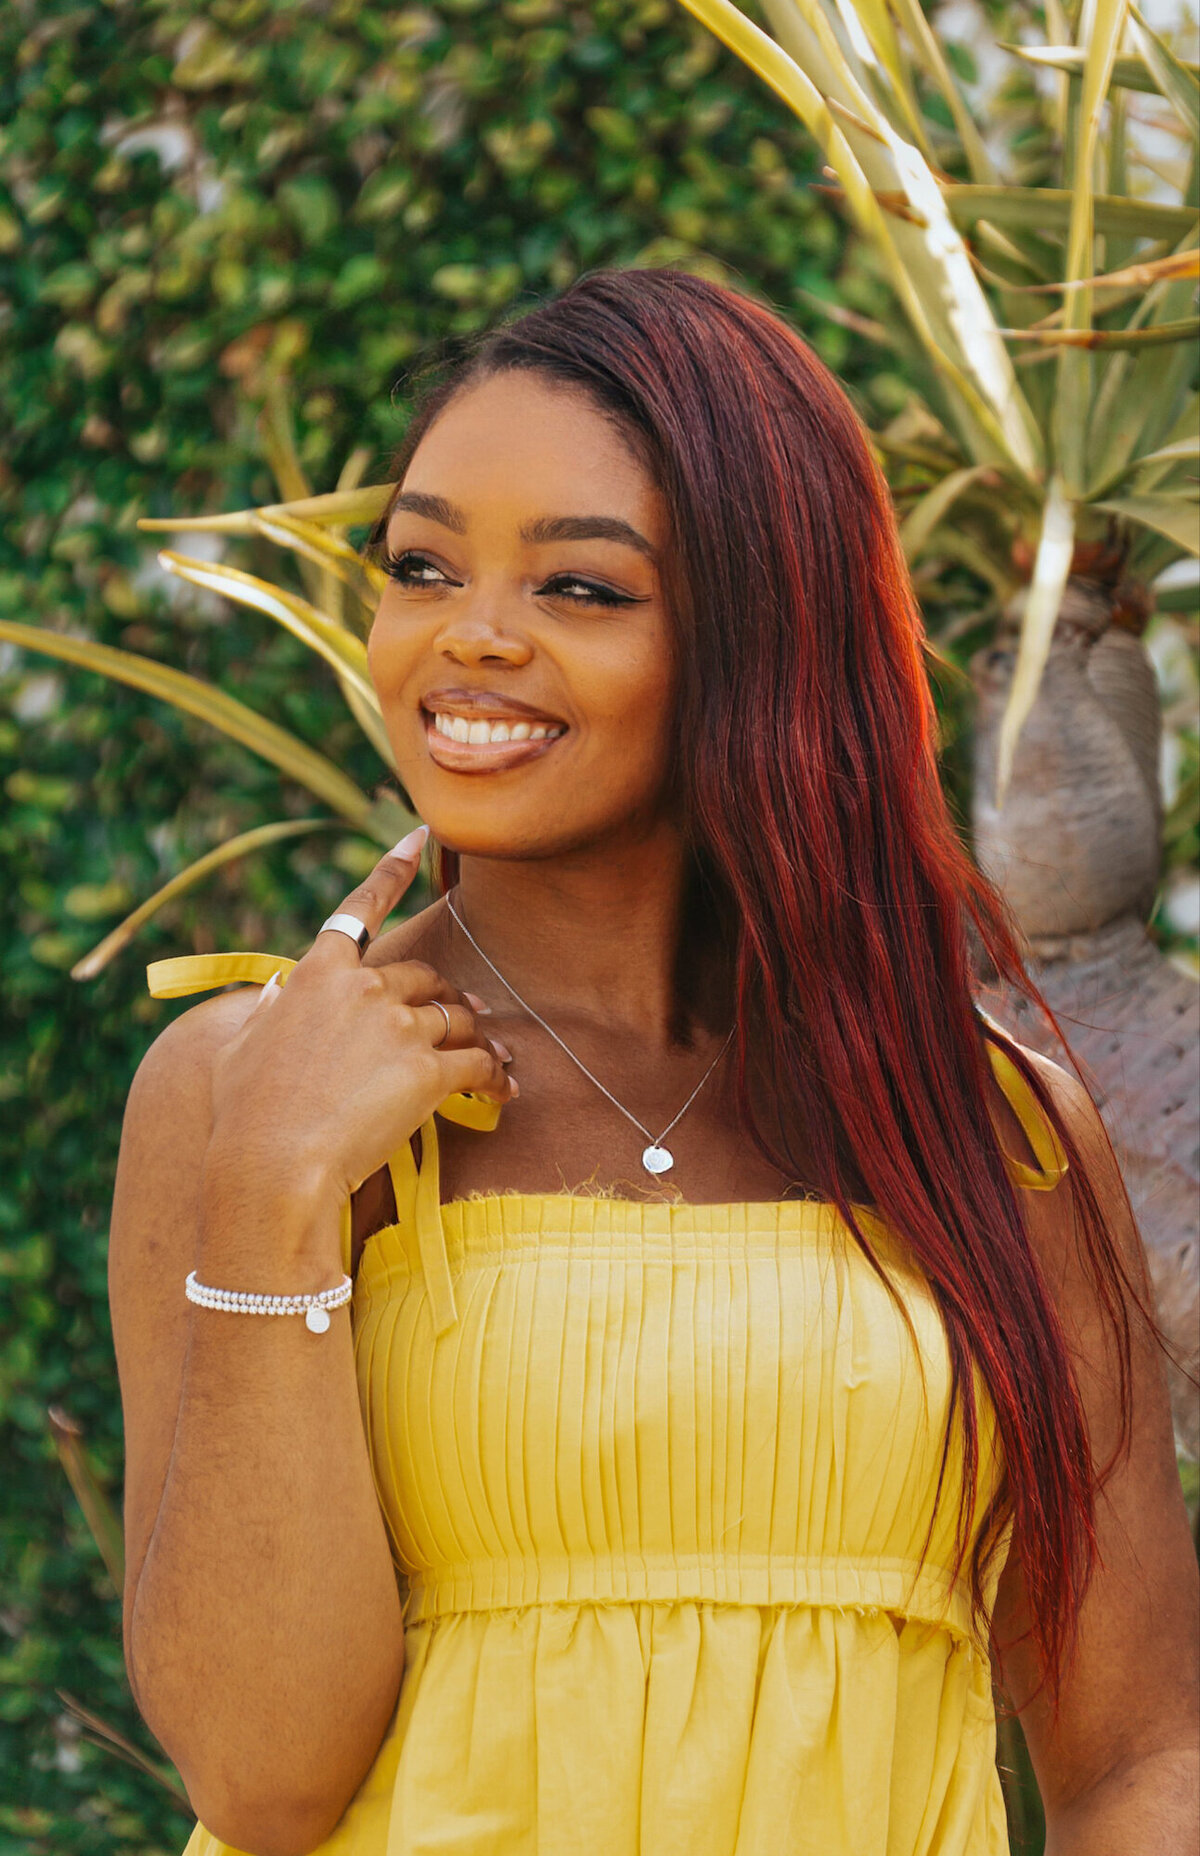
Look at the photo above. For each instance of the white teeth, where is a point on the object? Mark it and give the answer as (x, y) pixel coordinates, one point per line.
(480, 734)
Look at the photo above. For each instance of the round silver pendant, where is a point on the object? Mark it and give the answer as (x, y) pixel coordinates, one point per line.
(316, 1320)
(657, 1159)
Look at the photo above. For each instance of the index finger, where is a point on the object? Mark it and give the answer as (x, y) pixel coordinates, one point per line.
(375, 897)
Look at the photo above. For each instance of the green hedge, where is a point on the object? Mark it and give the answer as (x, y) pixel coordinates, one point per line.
(354, 184)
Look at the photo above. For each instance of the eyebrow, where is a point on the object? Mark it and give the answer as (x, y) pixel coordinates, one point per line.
(544, 528)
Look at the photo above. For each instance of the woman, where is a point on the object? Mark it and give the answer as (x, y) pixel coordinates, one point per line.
(755, 1345)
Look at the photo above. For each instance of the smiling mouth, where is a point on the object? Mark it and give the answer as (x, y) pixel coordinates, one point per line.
(480, 732)
(480, 744)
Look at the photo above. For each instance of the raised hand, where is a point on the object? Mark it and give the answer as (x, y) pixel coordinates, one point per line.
(328, 1075)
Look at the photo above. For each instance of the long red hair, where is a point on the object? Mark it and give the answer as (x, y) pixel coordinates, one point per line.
(826, 856)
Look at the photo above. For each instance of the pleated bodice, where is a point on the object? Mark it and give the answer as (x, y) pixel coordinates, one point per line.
(711, 1402)
(660, 1483)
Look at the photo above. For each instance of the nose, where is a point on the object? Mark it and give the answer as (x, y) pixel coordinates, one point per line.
(478, 639)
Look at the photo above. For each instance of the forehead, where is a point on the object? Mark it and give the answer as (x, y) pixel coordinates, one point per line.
(524, 440)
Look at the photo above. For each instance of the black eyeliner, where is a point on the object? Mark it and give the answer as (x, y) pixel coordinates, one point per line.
(597, 595)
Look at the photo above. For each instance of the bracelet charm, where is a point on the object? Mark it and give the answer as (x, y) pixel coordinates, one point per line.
(315, 1308)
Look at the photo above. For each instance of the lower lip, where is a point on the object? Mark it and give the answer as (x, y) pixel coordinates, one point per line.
(483, 756)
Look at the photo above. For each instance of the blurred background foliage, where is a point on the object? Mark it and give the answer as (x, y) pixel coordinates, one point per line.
(194, 200)
(197, 204)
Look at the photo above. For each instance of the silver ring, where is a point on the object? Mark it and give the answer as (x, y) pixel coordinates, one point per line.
(438, 1042)
(350, 925)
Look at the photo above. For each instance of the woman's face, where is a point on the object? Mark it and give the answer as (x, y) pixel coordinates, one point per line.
(522, 651)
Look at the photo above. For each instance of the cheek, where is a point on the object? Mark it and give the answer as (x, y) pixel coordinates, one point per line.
(639, 687)
(393, 652)
(379, 644)
(377, 656)
(630, 710)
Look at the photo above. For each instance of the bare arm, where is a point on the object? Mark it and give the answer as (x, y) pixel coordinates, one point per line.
(1118, 1769)
(262, 1619)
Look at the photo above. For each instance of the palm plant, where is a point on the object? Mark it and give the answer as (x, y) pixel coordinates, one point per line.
(333, 620)
(1050, 452)
(1066, 439)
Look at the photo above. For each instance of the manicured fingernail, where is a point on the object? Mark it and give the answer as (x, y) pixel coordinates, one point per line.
(477, 1004)
(411, 845)
(502, 1051)
(514, 1087)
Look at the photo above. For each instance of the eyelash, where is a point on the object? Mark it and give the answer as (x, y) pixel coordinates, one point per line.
(597, 596)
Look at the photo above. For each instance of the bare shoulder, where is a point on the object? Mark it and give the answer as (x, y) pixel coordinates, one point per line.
(191, 1038)
(1069, 1097)
(1097, 1275)
(168, 1110)
(1072, 1107)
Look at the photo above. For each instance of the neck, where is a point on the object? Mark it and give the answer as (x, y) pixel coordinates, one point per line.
(596, 936)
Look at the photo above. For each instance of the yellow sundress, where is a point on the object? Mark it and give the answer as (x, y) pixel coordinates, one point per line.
(657, 1479)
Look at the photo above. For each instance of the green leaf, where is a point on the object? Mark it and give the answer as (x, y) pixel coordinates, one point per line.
(329, 552)
(103, 1734)
(1142, 395)
(337, 509)
(880, 32)
(1073, 393)
(1049, 208)
(1178, 598)
(330, 640)
(932, 508)
(1159, 335)
(1179, 83)
(98, 1511)
(333, 642)
(320, 545)
(928, 265)
(277, 438)
(239, 846)
(1128, 73)
(1178, 518)
(929, 52)
(1177, 453)
(1153, 271)
(194, 697)
(1051, 568)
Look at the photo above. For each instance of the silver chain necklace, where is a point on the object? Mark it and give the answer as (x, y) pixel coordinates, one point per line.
(655, 1158)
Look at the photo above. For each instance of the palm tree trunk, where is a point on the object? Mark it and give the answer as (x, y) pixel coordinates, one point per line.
(1076, 850)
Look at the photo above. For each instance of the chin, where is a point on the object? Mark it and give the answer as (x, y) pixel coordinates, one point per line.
(476, 837)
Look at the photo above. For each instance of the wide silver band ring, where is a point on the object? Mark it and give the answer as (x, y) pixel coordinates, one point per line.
(438, 1042)
(358, 931)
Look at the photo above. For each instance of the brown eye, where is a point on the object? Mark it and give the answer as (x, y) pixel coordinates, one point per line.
(587, 593)
(400, 567)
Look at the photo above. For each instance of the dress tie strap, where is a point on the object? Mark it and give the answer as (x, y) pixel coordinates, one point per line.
(419, 1210)
(174, 979)
(1039, 1131)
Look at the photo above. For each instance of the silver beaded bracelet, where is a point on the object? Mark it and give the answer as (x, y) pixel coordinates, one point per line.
(314, 1308)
